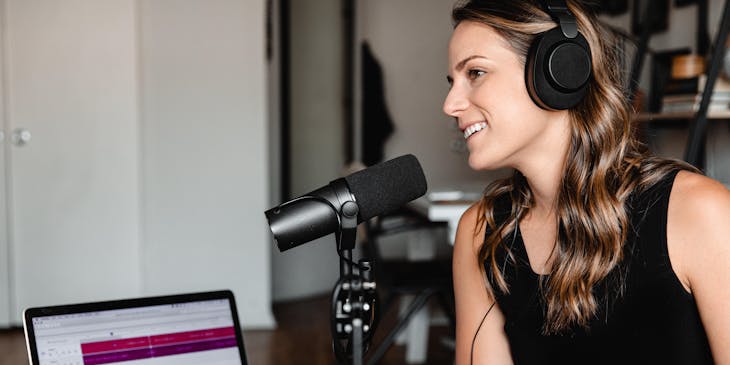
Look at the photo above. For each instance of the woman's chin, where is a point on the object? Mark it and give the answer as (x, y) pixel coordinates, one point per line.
(481, 162)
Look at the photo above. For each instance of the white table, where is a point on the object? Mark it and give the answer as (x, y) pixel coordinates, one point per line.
(449, 211)
(437, 208)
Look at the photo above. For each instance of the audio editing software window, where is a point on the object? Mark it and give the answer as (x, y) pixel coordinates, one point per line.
(190, 333)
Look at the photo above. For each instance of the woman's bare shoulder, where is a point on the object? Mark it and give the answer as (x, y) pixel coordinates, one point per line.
(697, 224)
(470, 228)
(699, 199)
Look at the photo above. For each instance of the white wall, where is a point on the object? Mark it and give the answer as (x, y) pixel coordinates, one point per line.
(205, 147)
(317, 151)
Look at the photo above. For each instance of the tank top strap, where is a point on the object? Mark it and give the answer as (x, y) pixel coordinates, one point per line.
(649, 222)
(522, 295)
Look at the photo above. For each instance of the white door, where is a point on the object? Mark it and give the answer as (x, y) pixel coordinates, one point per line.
(71, 82)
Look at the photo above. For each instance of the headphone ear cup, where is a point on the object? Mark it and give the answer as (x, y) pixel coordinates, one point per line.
(557, 70)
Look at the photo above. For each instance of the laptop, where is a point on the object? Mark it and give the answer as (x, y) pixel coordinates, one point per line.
(186, 329)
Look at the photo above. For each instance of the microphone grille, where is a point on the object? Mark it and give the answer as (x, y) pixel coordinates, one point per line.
(384, 187)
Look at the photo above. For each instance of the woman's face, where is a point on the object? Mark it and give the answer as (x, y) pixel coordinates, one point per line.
(488, 98)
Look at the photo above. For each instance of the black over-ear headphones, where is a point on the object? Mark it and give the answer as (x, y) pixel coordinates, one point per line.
(558, 63)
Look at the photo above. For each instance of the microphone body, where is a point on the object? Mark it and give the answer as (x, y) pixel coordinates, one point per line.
(376, 190)
(308, 217)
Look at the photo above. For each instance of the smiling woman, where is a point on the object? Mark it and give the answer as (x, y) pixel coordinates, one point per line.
(593, 251)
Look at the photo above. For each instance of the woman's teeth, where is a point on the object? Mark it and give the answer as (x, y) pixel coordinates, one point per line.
(474, 128)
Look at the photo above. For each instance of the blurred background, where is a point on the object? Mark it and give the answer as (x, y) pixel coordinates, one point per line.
(142, 140)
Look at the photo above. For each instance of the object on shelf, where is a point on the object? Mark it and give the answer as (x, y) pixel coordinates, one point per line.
(681, 95)
(681, 116)
(693, 106)
(694, 85)
(661, 70)
(687, 66)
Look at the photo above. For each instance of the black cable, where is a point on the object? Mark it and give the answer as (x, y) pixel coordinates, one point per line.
(471, 357)
(350, 262)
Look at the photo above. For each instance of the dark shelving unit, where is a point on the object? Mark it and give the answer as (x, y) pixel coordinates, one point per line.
(698, 121)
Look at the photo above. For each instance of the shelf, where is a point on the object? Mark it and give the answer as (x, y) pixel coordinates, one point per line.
(653, 117)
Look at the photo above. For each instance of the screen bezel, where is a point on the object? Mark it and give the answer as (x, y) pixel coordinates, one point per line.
(34, 312)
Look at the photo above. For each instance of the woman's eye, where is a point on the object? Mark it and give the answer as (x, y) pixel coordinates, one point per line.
(474, 74)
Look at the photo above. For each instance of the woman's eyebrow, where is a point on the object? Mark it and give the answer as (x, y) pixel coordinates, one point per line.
(463, 62)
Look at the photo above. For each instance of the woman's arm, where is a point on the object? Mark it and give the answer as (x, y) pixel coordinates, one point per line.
(698, 239)
(473, 302)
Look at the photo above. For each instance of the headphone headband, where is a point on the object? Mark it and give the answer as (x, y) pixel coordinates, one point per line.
(560, 13)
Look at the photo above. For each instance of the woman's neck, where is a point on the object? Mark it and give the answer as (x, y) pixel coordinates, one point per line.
(545, 189)
(545, 168)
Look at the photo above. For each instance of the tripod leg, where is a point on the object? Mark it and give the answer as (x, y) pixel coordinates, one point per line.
(448, 306)
(415, 306)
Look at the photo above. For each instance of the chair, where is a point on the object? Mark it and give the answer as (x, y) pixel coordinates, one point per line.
(398, 277)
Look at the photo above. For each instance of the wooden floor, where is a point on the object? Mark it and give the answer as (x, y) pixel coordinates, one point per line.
(302, 337)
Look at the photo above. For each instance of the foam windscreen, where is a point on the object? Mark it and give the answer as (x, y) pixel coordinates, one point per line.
(384, 187)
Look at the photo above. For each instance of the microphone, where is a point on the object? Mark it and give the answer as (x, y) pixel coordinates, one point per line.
(379, 189)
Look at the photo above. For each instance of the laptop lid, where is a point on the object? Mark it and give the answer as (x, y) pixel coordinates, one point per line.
(196, 328)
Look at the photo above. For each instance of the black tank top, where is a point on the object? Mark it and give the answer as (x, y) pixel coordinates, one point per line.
(655, 321)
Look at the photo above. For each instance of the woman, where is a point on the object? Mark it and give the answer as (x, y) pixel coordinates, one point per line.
(593, 251)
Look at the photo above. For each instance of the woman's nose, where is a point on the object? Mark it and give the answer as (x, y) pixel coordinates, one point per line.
(456, 102)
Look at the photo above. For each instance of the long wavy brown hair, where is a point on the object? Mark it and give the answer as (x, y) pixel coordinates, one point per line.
(605, 164)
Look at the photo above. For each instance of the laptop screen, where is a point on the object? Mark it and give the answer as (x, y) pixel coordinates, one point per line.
(180, 330)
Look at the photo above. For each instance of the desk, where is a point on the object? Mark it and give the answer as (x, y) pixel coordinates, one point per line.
(449, 211)
(436, 208)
